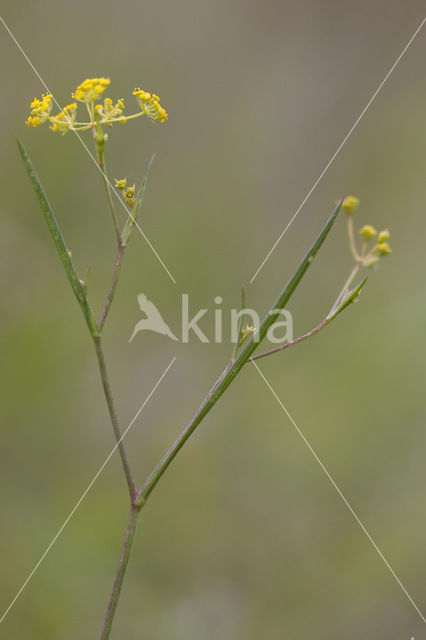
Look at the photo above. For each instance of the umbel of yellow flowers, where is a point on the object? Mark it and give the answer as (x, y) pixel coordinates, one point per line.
(107, 112)
(368, 256)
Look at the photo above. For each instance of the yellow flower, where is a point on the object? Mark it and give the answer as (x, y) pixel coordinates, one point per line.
(150, 105)
(368, 232)
(383, 236)
(40, 111)
(350, 204)
(129, 195)
(121, 184)
(63, 122)
(107, 112)
(91, 89)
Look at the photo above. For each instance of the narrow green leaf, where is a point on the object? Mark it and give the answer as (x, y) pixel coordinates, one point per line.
(58, 239)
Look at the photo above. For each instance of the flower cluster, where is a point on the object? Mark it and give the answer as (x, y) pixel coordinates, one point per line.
(64, 120)
(367, 257)
(40, 111)
(91, 89)
(107, 113)
(127, 192)
(150, 105)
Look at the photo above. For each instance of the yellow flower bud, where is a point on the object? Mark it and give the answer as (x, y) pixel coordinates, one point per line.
(129, 195)
(383, 236)
(368, 232)
(383, 249)
(350, 204)
(121, 184)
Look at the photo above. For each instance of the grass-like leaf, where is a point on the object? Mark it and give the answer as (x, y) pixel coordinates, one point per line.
(58, 239)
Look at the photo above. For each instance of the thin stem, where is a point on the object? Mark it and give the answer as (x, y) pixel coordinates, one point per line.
(121, 571)
(113, 285)
(347, 284)
(113, 415)
(99, 140)
(234, 367)
(88, 125)
(109, 196)
(352, 243)
(311, 333)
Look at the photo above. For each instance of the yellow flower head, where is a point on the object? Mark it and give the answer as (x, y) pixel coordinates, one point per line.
(368, 232)
(40, 111)
(91, 89)
(109, 111)
(350, 204)
(150, 105)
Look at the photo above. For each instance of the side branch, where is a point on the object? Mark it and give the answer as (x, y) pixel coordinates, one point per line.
(236, 365)
(310, 333)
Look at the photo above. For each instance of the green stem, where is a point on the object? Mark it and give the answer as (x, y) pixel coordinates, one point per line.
(113, 285)
(352, 243)
(347, 284)
(114, 420)
(99, 139)
(121, 571)
(234, 367)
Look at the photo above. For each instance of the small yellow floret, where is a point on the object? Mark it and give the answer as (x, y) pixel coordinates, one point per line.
(350, 204)
(150, 105)
(368, 232)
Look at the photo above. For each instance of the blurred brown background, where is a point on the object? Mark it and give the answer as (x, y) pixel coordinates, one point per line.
(245, 537)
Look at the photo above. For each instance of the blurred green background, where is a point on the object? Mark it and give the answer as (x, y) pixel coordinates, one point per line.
(245, 537)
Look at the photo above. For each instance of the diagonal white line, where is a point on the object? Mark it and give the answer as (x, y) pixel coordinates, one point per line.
(89, 152)
(339, 148)
(84, 494)
(340, 493)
